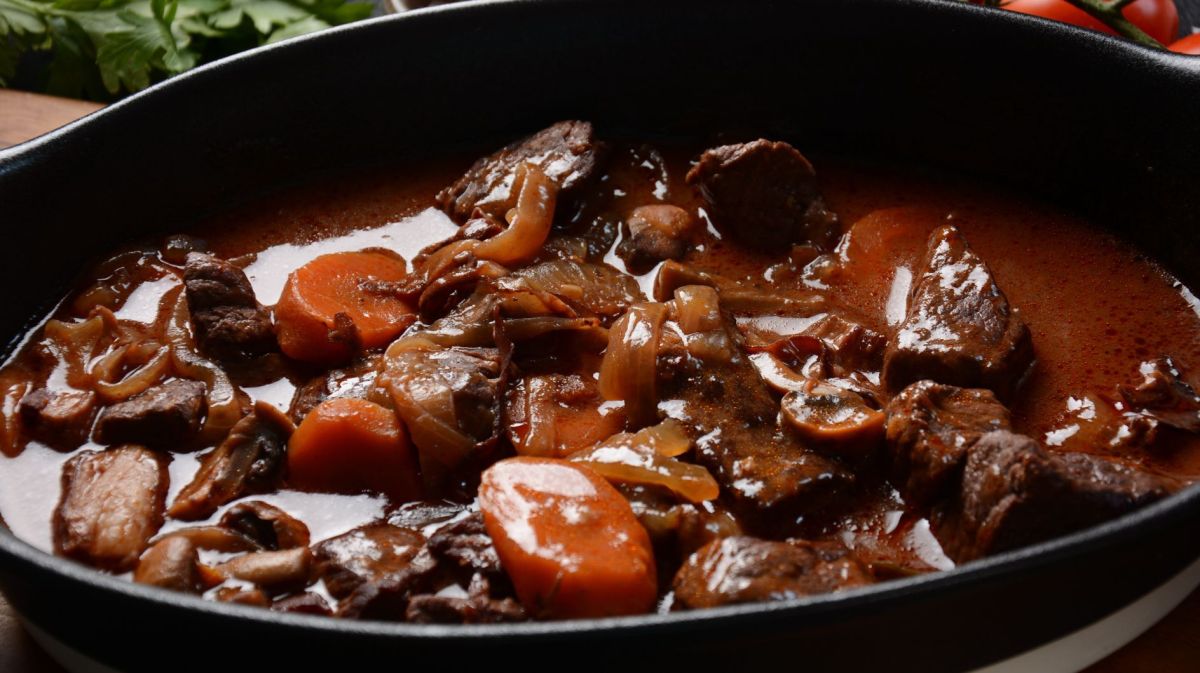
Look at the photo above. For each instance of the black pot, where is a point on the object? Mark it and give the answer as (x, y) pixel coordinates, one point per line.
(1101, 125)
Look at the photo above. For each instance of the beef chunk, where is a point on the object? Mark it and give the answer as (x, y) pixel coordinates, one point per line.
(1163, 395)
(229, 321)
(61, 419)
(355, 381)
(656, 232)
(720, 398)
(373, 570)
(765, 195)
(746, 570)
(269, 527)
(475, 606)
(304, 603)
(250, 460)
(930, 429)
(1015, 493)
(849, 346)
(465, 544)
(112, 505)
(566, 152)
(163, 416)
(959, 328)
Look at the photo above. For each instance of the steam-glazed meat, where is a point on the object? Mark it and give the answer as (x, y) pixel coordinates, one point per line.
(930, 429)
(61, 419)
(1163, 395)
(354, 381)
(229, 321)
(959, 328)
(166, 415)
(765, 195)
(112, 505)
(465, 544)
(1015, 493)
(374, 569)
(566, 152)
(733, 416)
(744, 570)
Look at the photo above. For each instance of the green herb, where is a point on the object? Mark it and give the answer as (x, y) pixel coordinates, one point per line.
(102, 49)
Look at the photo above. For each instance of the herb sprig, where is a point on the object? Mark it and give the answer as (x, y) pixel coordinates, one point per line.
(102, 49)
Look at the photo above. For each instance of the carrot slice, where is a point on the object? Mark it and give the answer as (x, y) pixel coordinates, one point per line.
(347, 445)
(327, 308)
(569, 541)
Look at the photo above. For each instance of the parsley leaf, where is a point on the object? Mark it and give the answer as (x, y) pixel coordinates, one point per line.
(103, 49)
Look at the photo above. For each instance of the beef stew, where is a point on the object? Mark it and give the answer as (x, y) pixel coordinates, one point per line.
(593, 378)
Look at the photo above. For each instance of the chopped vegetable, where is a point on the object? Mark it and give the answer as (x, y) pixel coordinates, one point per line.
(645, 457)
(568, 540)
(630, 364)
(528, 223)
(348, 445)
(329, 308)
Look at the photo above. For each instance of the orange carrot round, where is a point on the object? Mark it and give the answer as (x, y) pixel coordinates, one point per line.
(347, 445)
(328, 307)
(568, 540)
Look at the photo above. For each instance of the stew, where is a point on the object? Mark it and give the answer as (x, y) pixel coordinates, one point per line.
(594, 377)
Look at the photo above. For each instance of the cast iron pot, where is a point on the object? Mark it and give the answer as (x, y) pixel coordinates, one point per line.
(1101, 125)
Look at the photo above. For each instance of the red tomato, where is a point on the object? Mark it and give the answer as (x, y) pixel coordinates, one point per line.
(1158, 18)
(1188, 45)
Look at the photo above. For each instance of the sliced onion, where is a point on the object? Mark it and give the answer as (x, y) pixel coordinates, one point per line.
(697, 309)
(149, 371)
(644, 458)
(226, 403)
(529, 222)
(595, 289)
(629, 370)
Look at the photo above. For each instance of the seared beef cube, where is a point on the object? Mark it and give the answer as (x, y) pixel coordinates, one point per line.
(733, 418)
(354, 381)
(930, 429)
(229, 321)
(850, 347)
(959, 328)
(747, 570)
(270, 527)
(765, 195)
(656, 232)
(465, 543)
(305, 603)
(61, 419)
(375, 569)
(251, 459)
(442, 609)
(1163, 395)
(163, 416)
(566, 152)
(112, 504)
(476, 606)
(1015, 493)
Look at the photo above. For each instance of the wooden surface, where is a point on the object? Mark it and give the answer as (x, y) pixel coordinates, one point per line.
(1172, 646)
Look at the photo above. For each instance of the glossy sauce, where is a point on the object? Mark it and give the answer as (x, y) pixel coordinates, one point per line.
(1094, 306)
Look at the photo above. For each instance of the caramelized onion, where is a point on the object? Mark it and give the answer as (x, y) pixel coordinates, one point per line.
(529, 222)
(697, 309)
(425, 381)
(595, 289)
(644, 457)
(630, 367)
(226, 403)
(150, 360)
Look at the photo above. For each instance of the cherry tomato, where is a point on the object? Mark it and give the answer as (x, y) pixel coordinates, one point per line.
(1158, 18)
(1188, 45)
